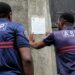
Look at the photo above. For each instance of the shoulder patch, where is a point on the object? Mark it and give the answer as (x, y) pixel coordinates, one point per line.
(68, 34)
(3, 26)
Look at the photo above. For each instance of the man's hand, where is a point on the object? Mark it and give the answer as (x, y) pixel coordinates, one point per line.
(34, 44)
(31, 37)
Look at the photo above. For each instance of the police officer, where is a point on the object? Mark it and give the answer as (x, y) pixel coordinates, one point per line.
(64, 42)
(15, 55)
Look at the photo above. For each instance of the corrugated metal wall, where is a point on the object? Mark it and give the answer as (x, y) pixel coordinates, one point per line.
(60, 6)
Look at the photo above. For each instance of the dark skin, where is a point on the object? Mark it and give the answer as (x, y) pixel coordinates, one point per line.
(26, 61)
(36, 45)
(25, 56)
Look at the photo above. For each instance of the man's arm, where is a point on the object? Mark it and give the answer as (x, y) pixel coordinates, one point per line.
(36, 45)
(26, 61)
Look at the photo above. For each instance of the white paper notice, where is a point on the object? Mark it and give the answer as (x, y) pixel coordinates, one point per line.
(38, 25)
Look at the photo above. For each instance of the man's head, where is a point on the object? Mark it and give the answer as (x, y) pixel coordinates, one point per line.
(65, 19)
(5, 10)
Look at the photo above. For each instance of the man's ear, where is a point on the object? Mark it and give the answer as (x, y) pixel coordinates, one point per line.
(10, 16)
(63, 22)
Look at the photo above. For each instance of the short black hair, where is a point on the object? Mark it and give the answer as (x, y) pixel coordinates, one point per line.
(5, 9)
(68, 17)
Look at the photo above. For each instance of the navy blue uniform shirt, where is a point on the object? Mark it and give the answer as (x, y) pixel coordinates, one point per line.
(64, 42)
(12, 38)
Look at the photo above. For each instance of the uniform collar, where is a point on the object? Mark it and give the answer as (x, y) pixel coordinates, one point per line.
(3, 19)
(69, 27)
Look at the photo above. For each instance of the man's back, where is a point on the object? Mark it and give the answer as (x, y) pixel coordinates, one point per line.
(64, 39)
(9, 44)
(64, 42)
(13, 45)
